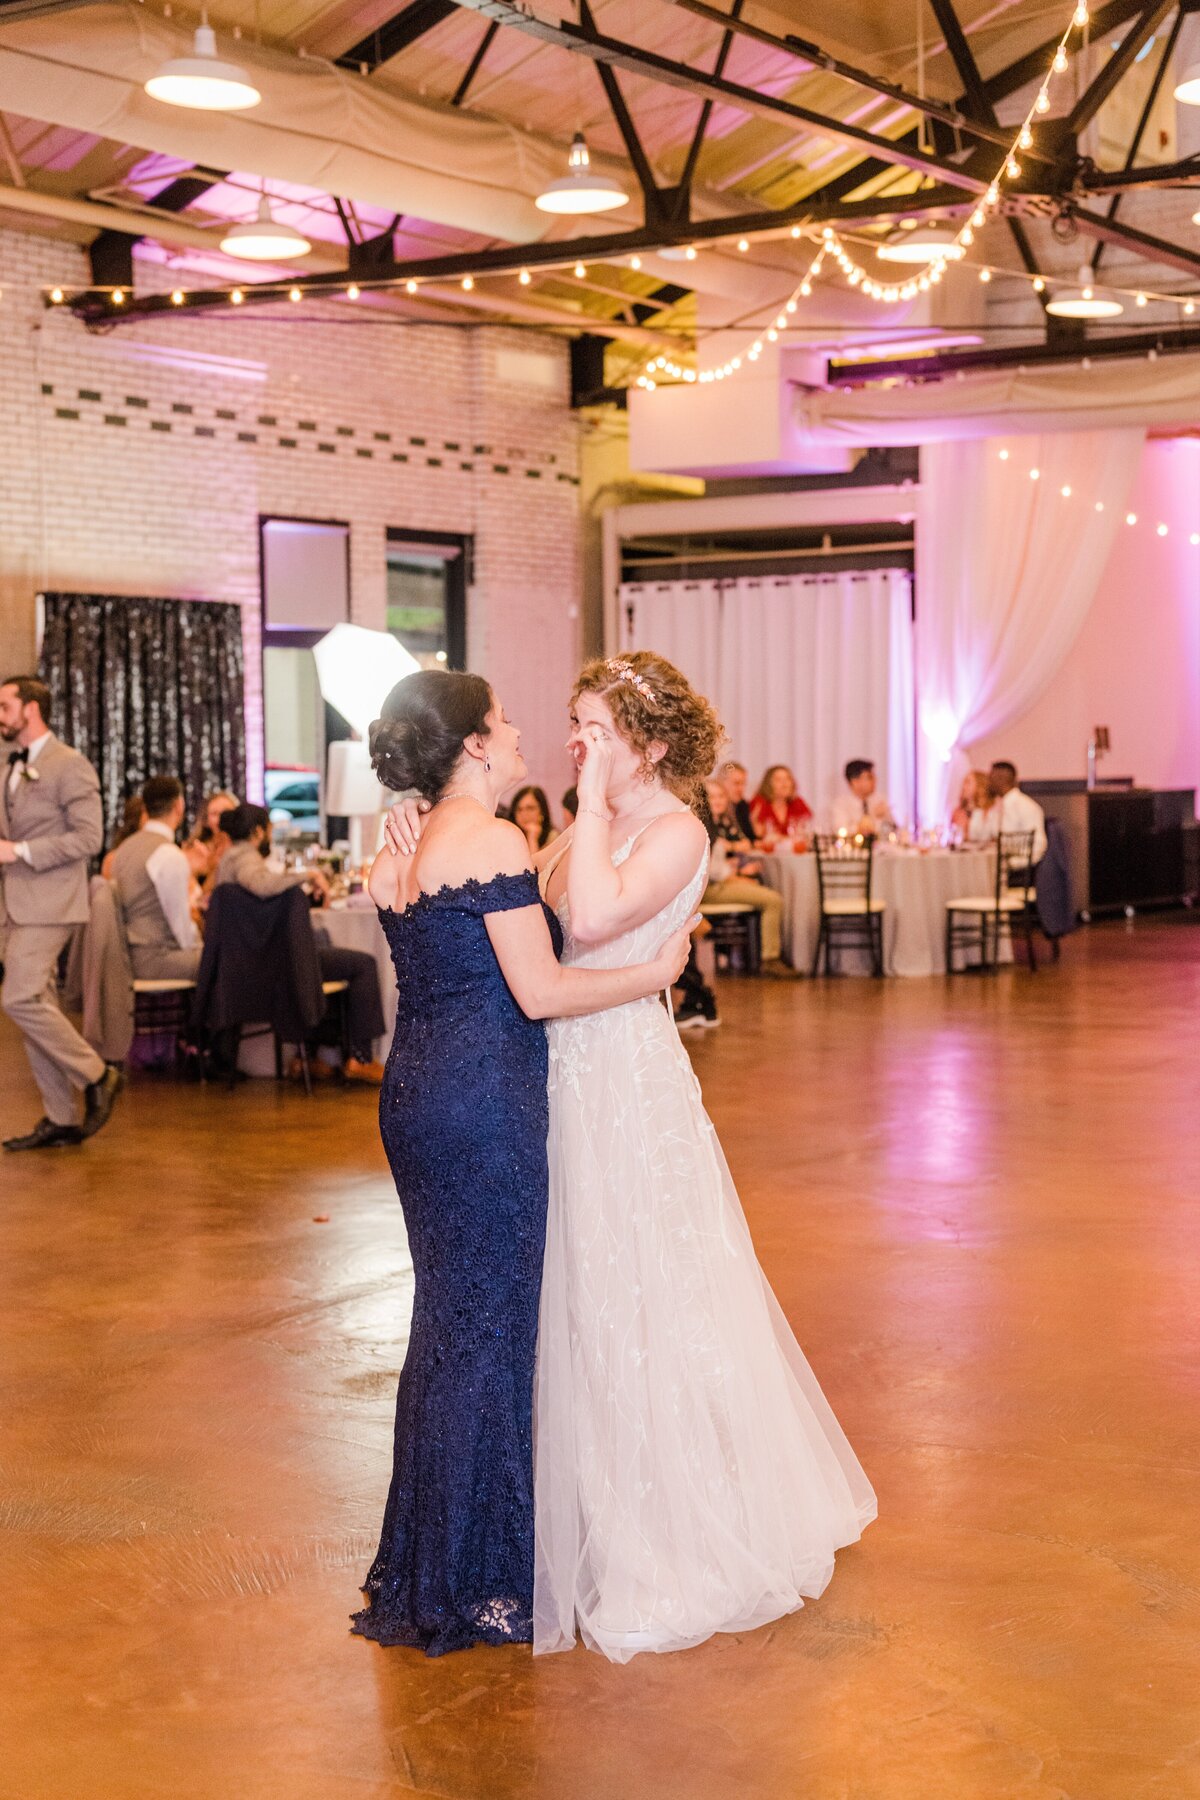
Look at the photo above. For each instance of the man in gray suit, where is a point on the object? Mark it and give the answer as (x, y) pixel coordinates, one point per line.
(51, 823)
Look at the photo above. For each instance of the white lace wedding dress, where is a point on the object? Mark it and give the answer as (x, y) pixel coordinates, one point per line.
(689, 1475)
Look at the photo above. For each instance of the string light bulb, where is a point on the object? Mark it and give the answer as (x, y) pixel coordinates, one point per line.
(56, 296)
(524, 278)
(236, 297)
(635, 262)
(177, 297)
(580, 271)
(743, 245)
(295, 296)
(118, 296)
(410, 286)
(1131, 518)
(353, 291)
(468, 282)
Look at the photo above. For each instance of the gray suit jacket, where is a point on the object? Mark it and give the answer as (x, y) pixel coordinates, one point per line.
(59, 816)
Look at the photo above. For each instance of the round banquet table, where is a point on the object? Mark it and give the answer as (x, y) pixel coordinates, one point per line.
(914, 884)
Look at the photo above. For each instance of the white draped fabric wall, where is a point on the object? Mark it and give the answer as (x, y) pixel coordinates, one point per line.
(1007, 567)
(810, 670)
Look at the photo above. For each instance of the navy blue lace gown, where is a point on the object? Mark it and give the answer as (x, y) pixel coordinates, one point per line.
(463, 1114)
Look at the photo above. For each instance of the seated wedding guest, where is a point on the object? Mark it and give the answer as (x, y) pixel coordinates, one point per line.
(208, 843)
(248, 828)
(530, 811)
(739, 848)
(862, 810)
(570, 806)
(777, 810)
(725, 884)
(972, 815)
(1014, 810)
(732, 776)
(154, 886)
(133, 818)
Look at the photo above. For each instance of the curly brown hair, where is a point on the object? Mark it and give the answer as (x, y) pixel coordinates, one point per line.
(651, 702)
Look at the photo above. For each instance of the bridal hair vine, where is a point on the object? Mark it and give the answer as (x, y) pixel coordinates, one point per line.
(623, 671)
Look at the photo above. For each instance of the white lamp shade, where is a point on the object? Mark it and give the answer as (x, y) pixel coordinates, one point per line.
(204, 81)
(351, 790)
(357, 670)
(924, 244)
(581, 190)
(1188, 87)
(264, 238)
(1083, 302)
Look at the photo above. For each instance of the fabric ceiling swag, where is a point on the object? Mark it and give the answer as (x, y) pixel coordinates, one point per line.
(1110, 396)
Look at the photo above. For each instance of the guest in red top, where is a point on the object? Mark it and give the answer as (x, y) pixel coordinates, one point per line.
(777, 810)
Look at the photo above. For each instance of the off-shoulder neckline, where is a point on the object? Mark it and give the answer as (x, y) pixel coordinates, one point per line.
(472, 883)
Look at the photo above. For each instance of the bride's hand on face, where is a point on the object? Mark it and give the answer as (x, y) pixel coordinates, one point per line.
(595, 769)
(404, 824)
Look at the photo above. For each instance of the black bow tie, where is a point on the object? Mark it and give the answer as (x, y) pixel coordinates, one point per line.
(17, 756)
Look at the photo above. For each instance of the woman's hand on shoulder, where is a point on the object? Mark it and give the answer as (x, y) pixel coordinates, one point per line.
(404, 824)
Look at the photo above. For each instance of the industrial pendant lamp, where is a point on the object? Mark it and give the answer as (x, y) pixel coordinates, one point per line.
(1188, 90)
(925, 243)
(204, 80)
(264, 238)
(1083, 302)
(581, 190)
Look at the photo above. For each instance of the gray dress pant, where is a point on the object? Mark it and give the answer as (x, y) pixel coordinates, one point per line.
(61, 1060)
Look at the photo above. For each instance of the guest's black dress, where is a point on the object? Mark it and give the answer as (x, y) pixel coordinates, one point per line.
(463, 1114)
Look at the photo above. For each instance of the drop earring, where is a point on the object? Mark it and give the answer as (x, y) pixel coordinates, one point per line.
(487, 765)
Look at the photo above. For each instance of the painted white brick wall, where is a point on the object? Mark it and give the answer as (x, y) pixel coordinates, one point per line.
(139, 460)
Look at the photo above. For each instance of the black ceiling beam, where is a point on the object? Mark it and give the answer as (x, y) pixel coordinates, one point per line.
(110, 253)
(635, 61)
(475, 64)
(1124, 237)
(949, 115)
(1121, 60)
(1178, 174)
(979, 105)
(698, 135)
(1015, 356)
(510, 258)
(1114, 205)
(389, 39)
(1033, 65)
(669, 294)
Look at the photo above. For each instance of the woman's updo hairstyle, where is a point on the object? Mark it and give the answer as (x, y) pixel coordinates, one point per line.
(651, 702)
(417, 740)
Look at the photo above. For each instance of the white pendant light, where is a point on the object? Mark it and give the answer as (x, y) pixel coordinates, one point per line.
(581, 190)
(1188, 90)
(265, 239)
(1083, 302)
(204, 80)
(922, 244)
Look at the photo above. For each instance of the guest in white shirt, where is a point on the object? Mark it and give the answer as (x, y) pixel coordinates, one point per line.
(153, 880)
(1015, 811)
(862, 810)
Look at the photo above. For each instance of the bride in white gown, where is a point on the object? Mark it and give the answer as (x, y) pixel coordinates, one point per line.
(690, 1476)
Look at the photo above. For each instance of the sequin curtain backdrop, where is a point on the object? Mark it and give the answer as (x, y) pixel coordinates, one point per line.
(148, 687)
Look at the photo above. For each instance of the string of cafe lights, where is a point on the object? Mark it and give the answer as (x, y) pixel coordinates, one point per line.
(832, 249)
(1068, 492)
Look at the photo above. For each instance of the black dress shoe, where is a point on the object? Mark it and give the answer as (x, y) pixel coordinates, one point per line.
(44, 1136)
(98, 1099)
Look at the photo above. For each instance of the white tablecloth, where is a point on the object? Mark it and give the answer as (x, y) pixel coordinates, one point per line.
(914, 884)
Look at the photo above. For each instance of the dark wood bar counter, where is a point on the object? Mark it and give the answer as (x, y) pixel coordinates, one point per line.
(1128, 846)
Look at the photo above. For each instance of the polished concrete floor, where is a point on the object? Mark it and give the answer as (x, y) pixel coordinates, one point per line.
(977, 1201)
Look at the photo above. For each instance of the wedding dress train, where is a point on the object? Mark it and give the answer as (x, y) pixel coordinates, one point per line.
(690, 1476)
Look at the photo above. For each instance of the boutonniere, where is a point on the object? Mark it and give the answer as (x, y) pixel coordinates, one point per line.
(29, 773)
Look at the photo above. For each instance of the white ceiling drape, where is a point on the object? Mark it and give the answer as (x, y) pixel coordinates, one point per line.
(810, 670)
(1007, 568)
